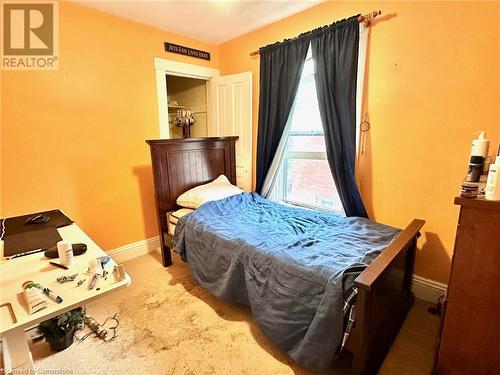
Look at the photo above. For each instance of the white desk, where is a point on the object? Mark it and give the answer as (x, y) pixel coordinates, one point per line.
(36, 267)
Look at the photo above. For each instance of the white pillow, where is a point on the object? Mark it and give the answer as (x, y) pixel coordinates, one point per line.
(219, 188)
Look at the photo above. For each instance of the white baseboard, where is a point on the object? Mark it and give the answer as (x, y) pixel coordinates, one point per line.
(136, 249)
(426, 289)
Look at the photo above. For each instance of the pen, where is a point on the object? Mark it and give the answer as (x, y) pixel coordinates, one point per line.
(50, 293)
(59, 265)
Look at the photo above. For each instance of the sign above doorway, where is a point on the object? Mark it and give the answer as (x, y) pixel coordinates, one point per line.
(181, 50)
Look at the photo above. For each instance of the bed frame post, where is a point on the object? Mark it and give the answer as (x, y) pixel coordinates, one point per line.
(360, 357)
(383, 301)
(166, 254)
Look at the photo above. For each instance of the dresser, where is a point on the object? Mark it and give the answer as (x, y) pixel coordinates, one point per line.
(469, 338)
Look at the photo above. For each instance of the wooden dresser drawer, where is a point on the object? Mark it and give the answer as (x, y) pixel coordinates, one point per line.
(470, 337)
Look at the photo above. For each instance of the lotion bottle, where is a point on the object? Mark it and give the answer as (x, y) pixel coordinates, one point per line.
(480, 146)
(492, 189)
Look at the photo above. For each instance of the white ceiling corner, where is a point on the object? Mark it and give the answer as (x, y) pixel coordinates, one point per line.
(211, 21)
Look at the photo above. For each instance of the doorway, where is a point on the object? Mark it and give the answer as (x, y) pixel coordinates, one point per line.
(225, 109)
(165, 67)
(187, 107)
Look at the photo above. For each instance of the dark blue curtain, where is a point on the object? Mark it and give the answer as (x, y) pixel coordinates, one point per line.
(280, 70)
(335, 54)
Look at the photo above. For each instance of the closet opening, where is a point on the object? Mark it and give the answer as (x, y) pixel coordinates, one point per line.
(187, 107)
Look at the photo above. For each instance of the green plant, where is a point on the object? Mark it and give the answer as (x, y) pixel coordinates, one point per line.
(64, 322)
(58, 331)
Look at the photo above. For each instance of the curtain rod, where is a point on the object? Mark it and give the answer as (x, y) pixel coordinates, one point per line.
(366, 19)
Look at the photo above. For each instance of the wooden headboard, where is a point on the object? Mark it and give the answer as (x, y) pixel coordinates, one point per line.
(180, 164)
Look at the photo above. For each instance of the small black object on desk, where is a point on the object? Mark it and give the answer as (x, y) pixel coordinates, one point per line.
(59, 265)
(78, 249)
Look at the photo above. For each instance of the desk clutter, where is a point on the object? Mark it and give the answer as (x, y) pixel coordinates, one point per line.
(43, 291)
(60, 331)
(34, 292)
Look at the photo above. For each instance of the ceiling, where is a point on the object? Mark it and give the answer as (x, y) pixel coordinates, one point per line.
(211, 21)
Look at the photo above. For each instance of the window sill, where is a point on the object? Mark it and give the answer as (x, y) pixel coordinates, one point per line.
(312, 207)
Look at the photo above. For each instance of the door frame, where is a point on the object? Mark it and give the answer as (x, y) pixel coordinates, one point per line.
(180, 69)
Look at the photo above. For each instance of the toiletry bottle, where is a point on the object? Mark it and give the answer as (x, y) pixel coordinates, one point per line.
(34, 297)
(475, 169)
(65, 252)
(478, 154)
(480, 146)
(492, 189)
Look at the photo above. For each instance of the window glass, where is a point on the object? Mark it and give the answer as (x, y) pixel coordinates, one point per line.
(305, 176)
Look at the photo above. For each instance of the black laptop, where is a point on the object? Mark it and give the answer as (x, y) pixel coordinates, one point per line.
(20, 237)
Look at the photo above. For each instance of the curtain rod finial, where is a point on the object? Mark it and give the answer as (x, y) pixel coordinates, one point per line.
(366, 19)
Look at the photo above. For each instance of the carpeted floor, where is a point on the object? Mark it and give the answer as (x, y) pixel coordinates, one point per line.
(170, 325)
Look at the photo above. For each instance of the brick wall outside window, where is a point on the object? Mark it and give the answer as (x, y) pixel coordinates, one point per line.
(308, 180)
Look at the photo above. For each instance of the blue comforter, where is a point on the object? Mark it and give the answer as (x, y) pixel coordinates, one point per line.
(288, 264)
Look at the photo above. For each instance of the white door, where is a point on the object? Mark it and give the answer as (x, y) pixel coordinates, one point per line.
(230, 109)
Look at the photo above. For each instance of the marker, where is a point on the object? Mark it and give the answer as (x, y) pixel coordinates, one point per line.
(50, 293)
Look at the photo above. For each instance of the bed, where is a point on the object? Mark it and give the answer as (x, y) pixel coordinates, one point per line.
(173, 218)
(384, 295)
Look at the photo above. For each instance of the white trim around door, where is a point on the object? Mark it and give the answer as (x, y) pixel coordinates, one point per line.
(174, 68)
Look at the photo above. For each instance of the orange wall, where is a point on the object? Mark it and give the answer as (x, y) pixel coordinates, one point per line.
(432, 81)
(74, 138)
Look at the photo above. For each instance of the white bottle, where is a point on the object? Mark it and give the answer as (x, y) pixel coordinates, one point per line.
(492, 189)
(480, 146)
(65, 252)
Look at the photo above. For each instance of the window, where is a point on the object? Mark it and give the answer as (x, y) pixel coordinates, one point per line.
(304, 178)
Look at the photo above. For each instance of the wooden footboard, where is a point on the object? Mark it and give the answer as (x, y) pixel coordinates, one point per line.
(384, 298)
